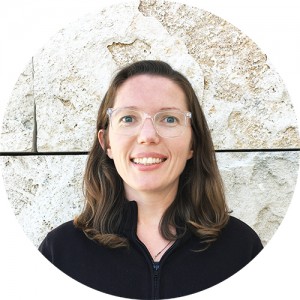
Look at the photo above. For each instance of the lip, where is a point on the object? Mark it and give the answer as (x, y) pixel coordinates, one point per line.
(148, 154)
(151, 167)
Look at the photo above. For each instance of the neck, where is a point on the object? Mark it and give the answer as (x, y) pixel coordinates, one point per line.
(151, 205)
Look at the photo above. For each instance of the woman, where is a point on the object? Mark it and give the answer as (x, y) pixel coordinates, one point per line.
(155, 222)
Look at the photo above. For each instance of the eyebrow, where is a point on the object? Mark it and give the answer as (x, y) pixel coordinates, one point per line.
(163, 108)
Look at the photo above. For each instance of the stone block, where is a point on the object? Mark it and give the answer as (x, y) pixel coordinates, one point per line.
(44, 191)
(17, 132)
(259, 187)
(245, 100)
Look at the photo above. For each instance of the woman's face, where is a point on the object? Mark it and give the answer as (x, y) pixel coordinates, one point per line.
(132, 154)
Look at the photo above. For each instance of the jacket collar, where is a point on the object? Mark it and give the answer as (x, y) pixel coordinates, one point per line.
(129, 224)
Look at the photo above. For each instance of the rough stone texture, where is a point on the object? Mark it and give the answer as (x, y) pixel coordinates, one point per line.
(80, 61)
(259, 187)
(245, 100)
(45, 191)
(18, 120)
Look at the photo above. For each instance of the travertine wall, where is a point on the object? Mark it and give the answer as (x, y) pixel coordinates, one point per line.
(55, 101)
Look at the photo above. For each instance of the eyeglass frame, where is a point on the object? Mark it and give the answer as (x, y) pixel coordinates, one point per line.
(187, 115)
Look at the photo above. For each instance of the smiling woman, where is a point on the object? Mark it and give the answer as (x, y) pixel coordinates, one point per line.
(155, 223)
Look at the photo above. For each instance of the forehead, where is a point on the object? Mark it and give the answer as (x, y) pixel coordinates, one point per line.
(150, 92)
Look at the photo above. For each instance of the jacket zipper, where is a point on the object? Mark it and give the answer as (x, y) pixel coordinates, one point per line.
(155, 279)
(156, 272)
(155, 267)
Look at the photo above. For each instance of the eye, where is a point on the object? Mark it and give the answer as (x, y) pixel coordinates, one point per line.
(127, 119)
(170, 119)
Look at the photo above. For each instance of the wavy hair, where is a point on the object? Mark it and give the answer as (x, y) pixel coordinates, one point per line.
(199, 205)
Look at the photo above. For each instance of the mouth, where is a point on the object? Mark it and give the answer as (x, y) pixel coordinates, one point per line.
(148, 161)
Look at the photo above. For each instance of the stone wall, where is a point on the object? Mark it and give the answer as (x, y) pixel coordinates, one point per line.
(51, 115)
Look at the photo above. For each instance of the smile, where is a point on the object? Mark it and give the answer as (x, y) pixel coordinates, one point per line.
(148, 161)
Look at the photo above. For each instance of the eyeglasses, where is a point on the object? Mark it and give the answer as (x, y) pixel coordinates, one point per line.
(167, 123)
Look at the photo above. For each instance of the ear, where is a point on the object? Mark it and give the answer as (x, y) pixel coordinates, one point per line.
(104, 143)
(191, 151)
(190, 155)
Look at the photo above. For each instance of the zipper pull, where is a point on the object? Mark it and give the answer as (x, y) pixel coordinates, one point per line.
(155, 266)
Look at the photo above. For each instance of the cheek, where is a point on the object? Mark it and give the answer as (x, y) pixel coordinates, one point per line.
(181, 151)
(118, 148)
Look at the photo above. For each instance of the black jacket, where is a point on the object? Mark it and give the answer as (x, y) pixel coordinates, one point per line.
(131, 272)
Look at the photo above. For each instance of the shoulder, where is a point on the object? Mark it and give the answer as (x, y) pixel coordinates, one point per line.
(238, 235)
(64, 231)
(67, 227)
(238, 226)
(62, 239)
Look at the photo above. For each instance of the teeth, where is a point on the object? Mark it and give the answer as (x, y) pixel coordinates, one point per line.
(147, 160)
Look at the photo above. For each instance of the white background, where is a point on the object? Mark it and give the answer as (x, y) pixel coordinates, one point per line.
(26, 25)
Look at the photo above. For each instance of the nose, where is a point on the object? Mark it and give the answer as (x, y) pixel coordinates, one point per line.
(148, 134)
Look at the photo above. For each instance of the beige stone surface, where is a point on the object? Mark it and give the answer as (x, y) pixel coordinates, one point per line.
(259, 187)
(80, 61)
(18, 121)
(45, 191)
(244, 98)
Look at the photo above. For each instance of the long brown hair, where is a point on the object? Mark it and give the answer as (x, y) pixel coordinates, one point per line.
(200, 202)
